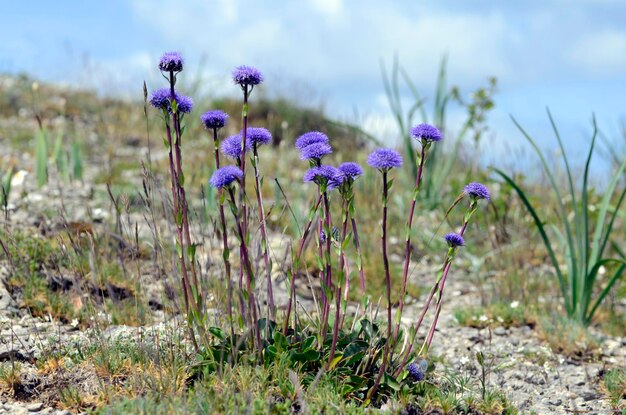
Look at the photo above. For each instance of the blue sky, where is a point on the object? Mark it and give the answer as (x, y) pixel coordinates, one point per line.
(569, 55)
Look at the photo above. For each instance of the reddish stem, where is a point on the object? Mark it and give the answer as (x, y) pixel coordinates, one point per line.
(407, 248)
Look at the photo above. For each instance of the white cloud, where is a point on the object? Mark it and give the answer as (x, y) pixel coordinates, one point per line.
(602, 52)
(336, 49)
(331, 8)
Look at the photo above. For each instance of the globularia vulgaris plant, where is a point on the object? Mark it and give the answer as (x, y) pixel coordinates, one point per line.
(368, 359)
(584, 241)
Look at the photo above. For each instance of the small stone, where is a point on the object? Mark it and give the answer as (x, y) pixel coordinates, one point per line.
(555, 401)
(499, 331)
(589, 396)
(35, 407)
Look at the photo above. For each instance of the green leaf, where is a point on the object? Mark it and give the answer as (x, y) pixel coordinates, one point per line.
(280, 341)
(391, 382)
(308, 356)
(191, 251)
(217, 332)
(335, 361)
(308, 342)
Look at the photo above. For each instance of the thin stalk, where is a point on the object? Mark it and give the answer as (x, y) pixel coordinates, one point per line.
(225, 248)
(264, 241)
(327, 262)
(431, 332)
(242, 161)
(182, 199)
(342, 258)
(437, 287)
(357, 245)
(383, 366)
(176, 206)
(183, 268)
(295, 262)
(247, 266)
(407, 248)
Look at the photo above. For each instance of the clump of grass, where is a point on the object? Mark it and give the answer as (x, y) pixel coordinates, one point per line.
(11, 375)
(614, 387)
(567, 337)
(494, 314)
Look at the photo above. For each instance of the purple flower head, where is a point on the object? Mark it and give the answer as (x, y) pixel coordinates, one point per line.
(334, 234)
(161, 100)
(315, 151)
(231, 146)
(322, 236)
(185, 103)
(225, 176)
(384, 159)
(309, 138)
(247, 75)
(454, 239)
(257, 136)
(426, 132)
(322, 175)
(214, 119)
(477, 191)
(350, 170)
(417, 371)
(171, 61)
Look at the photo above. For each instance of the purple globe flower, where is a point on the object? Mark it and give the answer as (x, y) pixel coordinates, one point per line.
(417, 371)
(185, 103)
(214, 119)
(477, 191)
(454, 239)
(171, 62)
(231, 146)
(322, 236)
(350, 170)
(315, 151)
(160, 99)
(322, 175)
(225, 176)
(309, 138)
(257, 136)
(247, 75)
(426, 132)
(384, 159)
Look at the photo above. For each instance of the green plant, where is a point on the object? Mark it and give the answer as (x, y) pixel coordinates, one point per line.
(41, 157)
(614, 385)
(585, 252)
(5, 188)
(10, 374)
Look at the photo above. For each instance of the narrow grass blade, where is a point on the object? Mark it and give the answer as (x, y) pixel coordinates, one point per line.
(41, 158)
(562, 213)
(583, 234)
(616, 276)
(601, 236)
